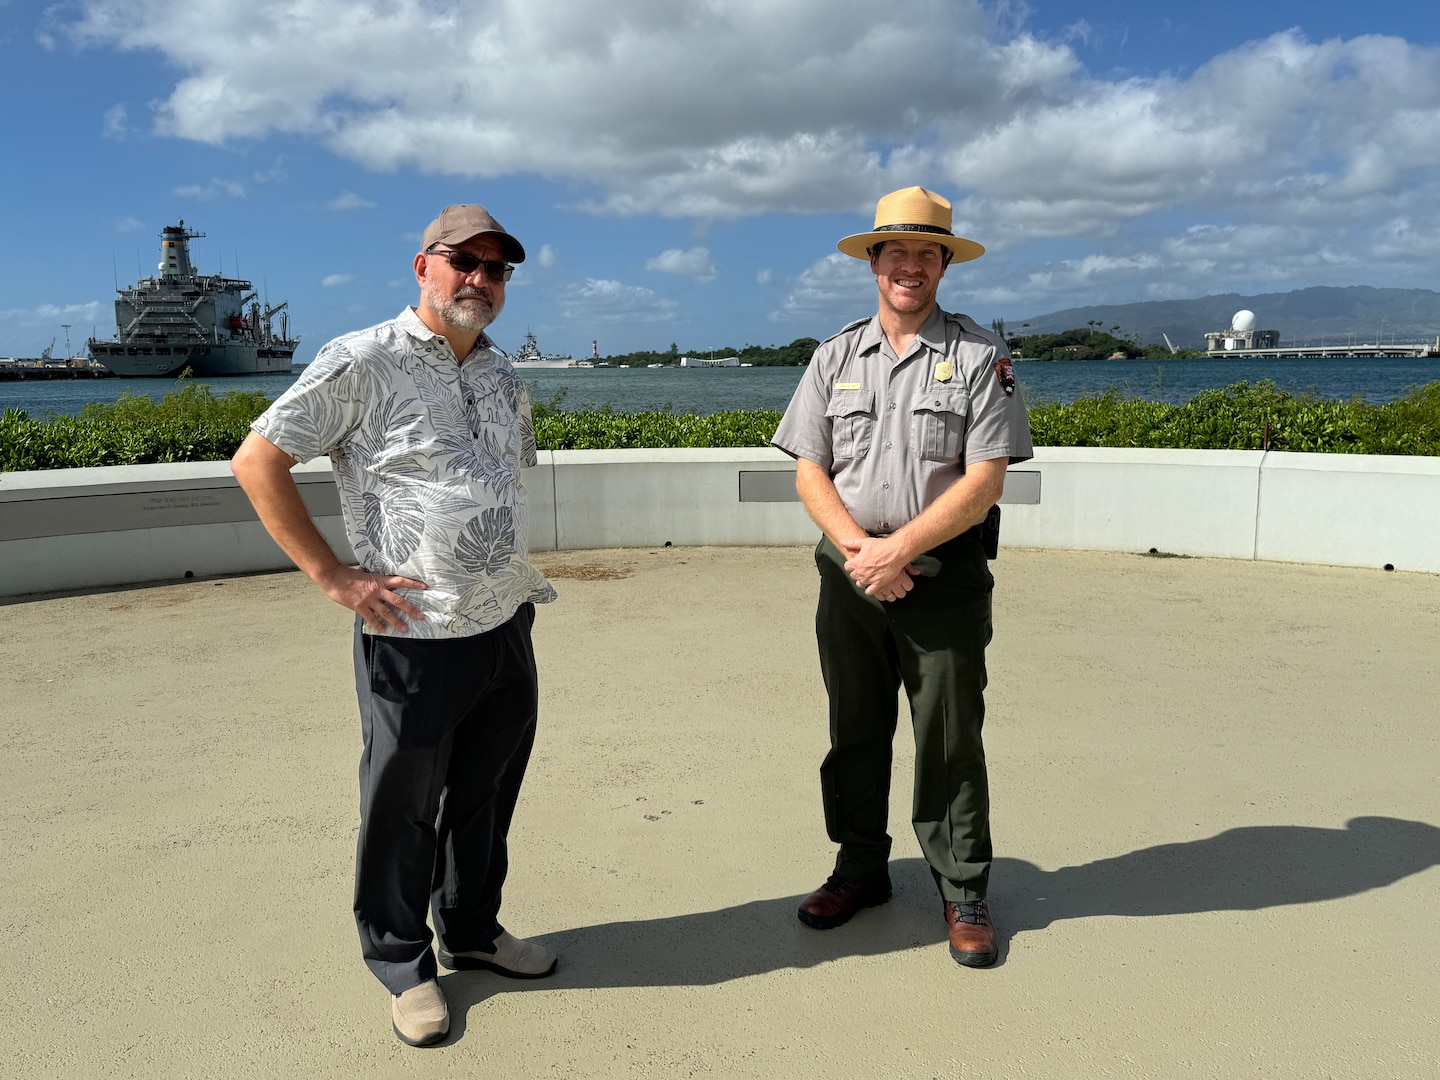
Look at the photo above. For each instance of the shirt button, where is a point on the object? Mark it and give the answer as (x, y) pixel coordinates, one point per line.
(886, 485)
(937, 404)
(888, 445)
(892, 404)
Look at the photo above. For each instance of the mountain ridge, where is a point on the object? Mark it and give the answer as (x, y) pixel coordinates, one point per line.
(1321, 313)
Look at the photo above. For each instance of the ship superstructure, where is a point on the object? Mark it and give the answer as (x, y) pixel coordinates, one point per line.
(209, 323)
(530, 356)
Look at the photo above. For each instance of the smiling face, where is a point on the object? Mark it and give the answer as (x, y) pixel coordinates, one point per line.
(908, 273)
(469, 302)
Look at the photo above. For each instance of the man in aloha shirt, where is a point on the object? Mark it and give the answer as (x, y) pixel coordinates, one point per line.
(427, 425)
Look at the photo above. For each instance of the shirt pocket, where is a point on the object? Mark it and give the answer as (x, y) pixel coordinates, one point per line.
(852, 422)
(937, 422)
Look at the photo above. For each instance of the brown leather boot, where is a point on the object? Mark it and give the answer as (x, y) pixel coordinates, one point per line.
(972, 934)
(840, 898)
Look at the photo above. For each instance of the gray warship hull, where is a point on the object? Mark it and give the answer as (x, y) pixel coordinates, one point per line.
(206, 324)
(202, 361)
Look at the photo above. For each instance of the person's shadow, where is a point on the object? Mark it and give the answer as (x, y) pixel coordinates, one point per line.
(1238, 870)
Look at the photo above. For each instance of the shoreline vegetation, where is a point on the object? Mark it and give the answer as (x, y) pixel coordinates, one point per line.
(1088, 342)
(796, 354)
(193, 424)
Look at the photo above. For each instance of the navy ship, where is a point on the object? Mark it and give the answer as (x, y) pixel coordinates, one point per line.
(211, 324)
(530, 356)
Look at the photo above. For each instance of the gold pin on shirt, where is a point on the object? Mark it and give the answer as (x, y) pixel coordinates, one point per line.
(944, 371)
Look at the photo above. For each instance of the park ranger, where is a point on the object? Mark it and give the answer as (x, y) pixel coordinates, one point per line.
(902, 428)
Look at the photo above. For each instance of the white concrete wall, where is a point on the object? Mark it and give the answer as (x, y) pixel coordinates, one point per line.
(83, 528)
(1192, 502)
(634, 498)
(1354, 510)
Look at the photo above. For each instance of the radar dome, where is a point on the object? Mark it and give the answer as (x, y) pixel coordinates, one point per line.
(1243, 320)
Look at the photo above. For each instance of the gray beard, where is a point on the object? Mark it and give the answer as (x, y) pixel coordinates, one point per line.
(464, 316)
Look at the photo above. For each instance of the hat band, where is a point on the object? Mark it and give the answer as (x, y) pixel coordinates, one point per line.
(913, 228)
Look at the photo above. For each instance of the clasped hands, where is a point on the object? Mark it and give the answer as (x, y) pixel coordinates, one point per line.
(880, 566)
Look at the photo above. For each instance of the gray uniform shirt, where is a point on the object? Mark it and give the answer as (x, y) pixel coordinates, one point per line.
(895, 432)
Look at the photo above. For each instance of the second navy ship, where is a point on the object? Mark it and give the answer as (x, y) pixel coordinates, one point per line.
(211, 324)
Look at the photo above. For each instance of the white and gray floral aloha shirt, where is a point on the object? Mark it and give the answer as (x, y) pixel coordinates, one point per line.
(427, 456)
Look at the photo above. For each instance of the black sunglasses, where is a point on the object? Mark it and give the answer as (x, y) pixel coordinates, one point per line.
(467, 264)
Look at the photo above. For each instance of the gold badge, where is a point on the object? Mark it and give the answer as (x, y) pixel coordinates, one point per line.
(944, 371)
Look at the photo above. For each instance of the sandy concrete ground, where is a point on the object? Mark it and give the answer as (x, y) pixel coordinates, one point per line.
(1215, 789)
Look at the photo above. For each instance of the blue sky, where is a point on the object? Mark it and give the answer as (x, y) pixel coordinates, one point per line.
(681, 171)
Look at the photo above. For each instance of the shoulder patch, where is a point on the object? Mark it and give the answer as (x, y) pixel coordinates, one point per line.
(1005, 374)
(846, 329)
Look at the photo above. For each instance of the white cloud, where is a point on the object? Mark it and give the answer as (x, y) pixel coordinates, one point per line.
(115, 124)
(621, 100)
(695, 263)
(215, 189)
(763, 276)
(348, 200)
(620, 95)
(46, 314)
(546, 257)
(836, 287)
(275, 174)
(129, 224)
(330, 281)
(27, 331)
(597, 300)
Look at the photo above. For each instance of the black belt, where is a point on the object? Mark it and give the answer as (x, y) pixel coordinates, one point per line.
(972, 533)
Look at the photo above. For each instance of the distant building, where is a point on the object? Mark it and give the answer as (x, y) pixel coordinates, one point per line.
(1241, 336)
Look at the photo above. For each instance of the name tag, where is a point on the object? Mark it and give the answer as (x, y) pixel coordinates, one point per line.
(847, 386)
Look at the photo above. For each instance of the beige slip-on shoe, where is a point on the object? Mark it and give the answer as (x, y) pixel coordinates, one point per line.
(512, 957)
(420, 1015)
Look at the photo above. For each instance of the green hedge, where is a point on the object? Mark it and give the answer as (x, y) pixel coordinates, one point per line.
(1246, 417)
(189, 424)
(652, 430)
(192, 424)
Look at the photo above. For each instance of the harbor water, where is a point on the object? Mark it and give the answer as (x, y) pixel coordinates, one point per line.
(709, 390)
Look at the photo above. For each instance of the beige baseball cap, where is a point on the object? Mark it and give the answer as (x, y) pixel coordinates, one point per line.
(465, 221)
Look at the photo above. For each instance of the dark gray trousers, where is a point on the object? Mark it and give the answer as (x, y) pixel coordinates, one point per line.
(448, 726)
(932, 643)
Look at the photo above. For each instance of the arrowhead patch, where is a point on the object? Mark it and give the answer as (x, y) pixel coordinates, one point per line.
(1005, 372)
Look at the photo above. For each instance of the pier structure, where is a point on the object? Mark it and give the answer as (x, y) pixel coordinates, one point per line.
(1243, 341)
(1416, 350)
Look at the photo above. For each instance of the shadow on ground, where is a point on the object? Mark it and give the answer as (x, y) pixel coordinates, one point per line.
(1237, 870)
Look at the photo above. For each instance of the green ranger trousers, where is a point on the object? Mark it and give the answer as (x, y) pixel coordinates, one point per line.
(932, 642)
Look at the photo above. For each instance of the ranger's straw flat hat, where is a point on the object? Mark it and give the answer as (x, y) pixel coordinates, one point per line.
(912, 214)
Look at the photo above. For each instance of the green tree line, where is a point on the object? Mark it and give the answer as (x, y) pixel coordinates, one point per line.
(796, 353)
(1088, 344)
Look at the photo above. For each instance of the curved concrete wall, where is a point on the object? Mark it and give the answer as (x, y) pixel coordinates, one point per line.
(82, 528)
